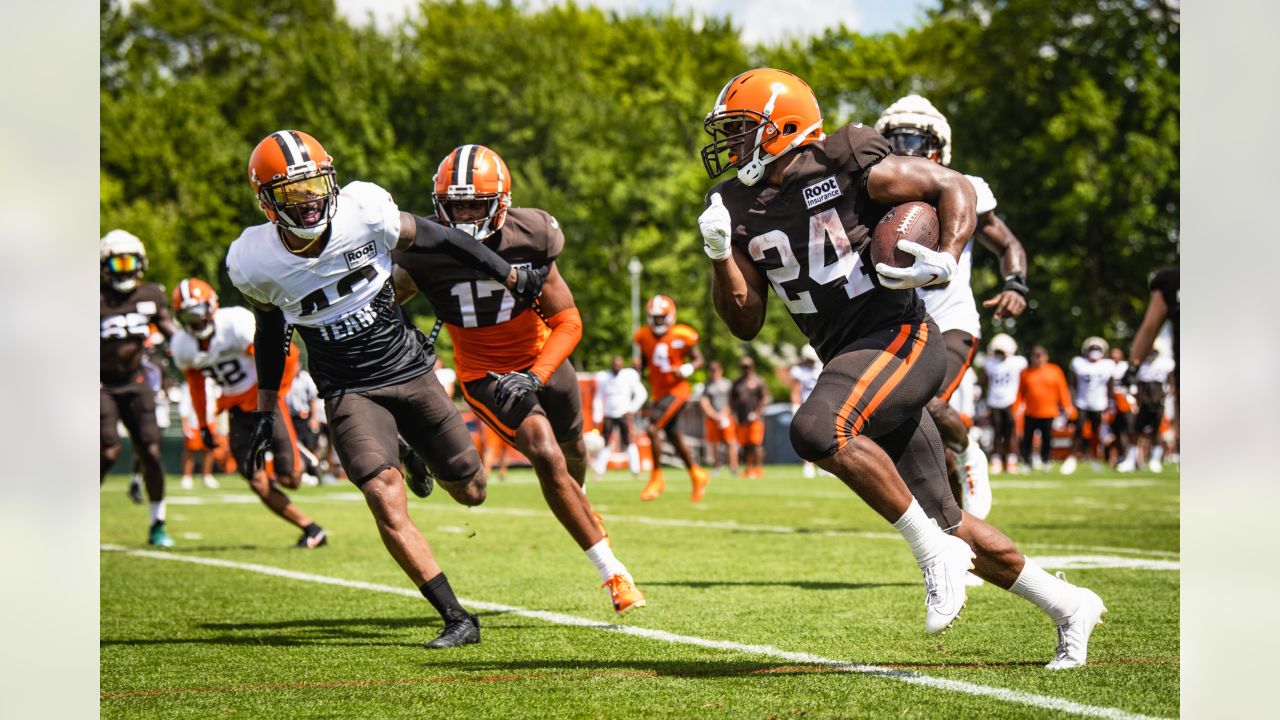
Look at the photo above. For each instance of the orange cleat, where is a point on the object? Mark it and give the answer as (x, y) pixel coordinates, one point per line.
(654, 487)
(600, 526)
(700, 479)
(624, 593)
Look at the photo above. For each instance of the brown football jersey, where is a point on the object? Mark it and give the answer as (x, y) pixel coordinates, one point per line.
(491, 330)
(809, 237)
(124, 325)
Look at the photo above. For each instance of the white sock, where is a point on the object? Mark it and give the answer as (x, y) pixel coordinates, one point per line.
(633, 458)
(1056, 597)
(921, 532)
(1157, 453)
(602, 461)
(157, 511)
(602, 555)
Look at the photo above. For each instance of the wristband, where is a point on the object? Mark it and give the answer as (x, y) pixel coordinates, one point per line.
(1017, 282)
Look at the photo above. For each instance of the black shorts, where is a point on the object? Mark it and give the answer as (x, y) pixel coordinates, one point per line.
(1149, 418)
(961, 347)
(134, 403)
(363, 428)
(1002, 424)
(284, 442)
(1122, 423)
(879, 387)
(619, 424)
(560, 401)
(665, 410)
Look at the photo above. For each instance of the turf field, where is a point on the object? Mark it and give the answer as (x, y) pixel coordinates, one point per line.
(774, 598)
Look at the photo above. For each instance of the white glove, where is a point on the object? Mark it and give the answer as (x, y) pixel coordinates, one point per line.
(686, 370)
(715, 225)
(930, 268)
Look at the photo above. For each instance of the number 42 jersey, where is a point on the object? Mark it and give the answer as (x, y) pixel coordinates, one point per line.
(809, 237)
(226, 359)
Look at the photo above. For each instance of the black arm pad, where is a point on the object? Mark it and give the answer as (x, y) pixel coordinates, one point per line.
(269, 347)
(434, 237)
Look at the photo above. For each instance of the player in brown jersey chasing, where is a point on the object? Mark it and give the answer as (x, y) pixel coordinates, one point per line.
(127, 310)
(798, 217)
(512, 357)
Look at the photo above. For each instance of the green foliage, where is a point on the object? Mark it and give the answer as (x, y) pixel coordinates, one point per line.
(1069, 110)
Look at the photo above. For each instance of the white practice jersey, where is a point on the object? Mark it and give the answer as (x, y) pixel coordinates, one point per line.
(227, 359)
(952, 305)
(617, 395)
(342, 302)
(1003, 377)
(1156, 369)
(807, 376)
(1091, 382)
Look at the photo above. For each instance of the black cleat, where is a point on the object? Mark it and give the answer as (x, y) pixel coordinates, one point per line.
(135, 490)
(313, 537)
(416, 475)
(463, 632)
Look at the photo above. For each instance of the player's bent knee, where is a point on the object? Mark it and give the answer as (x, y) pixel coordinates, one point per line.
(813, 434)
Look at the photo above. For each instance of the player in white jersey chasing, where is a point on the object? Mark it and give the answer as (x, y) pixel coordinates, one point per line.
(914, 127)
(1004, 370)
(1094, 375)
(619, 396)
(322, 265)
(217, 343)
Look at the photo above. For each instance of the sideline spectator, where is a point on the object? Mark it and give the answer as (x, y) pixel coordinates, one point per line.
(1044, 395)
(1093, 373)
(747, 398)
(718, 425)
(804, 375)
(619, 395)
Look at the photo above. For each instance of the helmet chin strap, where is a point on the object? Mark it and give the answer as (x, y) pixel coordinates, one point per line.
(751, 173)
(313, 234)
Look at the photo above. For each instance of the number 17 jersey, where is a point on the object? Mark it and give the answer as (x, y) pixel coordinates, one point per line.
(809, 237)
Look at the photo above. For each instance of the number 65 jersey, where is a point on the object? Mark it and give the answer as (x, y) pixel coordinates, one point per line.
(491, 330)
(809, 237)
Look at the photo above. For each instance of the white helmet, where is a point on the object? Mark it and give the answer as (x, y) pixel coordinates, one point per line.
(915, 127)
(808, 353)
(123, 259)
(1094, 342)
(1003, 343)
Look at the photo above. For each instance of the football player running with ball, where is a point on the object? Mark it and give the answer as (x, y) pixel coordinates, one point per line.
(798, 216)
(322, 264)
(218, 343)
(915, 128)
(664, 345)
(512, 356)
(127, 310)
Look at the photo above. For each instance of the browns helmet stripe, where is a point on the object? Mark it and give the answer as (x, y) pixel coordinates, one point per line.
(464, 165)
(306, 154)
(290, 147)
(185, 288)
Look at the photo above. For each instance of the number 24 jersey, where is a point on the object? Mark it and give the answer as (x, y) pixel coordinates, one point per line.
(810, 235)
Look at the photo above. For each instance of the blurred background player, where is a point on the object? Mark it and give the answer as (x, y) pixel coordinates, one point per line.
(1094, 374)
(127, 310)
(1121, 450)
(1150, 382)
(322, 265)
(217, 343)
(804, 375)
(306, 414)
(1163, 305)
(747, 398)
(915, 128)
(193, 442)
(1004, 370)
(619, 396)
(1045, 397)
(670, 351)
(719, 427)
(512, 355)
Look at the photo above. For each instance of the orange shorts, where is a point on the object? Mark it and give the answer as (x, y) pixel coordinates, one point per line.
(716, 434)
(751, 433)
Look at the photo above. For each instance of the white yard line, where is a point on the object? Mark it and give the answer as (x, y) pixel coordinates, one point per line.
(1045, 702)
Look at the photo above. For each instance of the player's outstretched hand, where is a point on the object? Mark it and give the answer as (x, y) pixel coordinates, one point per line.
(1007, 304)
(206, 437)
(514, 385)
(930, 268)
(715, 224)
(529, 282)
(264, 428)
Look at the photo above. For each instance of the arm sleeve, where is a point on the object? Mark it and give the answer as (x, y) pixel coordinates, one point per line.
(566, 332)
(269, 340)
(434, 237)
(199, 404)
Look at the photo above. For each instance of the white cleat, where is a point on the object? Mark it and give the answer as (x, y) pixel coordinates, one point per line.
(944, 584)
(211, 482)
(971, 580)
(1068, 466)
(1155, 466)
(1073, 635)
(976, 499)
(1127, 466)
(187, 482)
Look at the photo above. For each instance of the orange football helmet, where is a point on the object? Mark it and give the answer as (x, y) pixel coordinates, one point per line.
(473, 190)
(293, 177)
(662, 314)
(194, 303)
(758, 117)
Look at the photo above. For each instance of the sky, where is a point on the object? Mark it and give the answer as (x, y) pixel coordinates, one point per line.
(759, 20)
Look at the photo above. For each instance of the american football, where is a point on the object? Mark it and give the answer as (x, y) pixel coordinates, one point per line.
(915, 221)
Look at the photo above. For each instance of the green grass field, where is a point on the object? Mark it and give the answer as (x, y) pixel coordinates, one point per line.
(774, 598)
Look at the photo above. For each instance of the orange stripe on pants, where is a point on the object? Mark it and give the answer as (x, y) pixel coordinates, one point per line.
(955, 383)
(868, 377)
(488, 418)
(921, 338)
